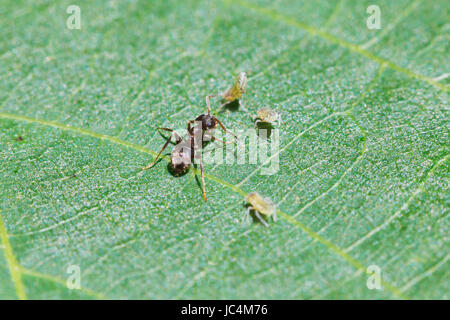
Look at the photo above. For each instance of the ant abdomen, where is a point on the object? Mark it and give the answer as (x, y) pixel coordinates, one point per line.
(181, 158)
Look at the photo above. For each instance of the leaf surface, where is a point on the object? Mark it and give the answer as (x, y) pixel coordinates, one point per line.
(364, 166)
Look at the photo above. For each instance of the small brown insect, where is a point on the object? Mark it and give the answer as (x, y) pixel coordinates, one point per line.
(268, 116)
(238, 89)
(186, 149)
(261, 205)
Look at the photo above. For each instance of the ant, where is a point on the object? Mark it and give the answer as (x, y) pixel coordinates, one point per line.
(186, 149)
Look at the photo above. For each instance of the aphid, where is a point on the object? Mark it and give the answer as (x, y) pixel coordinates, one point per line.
(186, 149)
(261, 205)
(268, 116)
(239, 87)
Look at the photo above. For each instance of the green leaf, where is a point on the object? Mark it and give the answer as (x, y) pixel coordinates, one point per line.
(364, 162)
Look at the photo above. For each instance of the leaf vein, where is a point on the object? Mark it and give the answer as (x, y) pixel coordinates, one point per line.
(14, 267)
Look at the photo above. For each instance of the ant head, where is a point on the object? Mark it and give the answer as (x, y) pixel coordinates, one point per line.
(208, 121)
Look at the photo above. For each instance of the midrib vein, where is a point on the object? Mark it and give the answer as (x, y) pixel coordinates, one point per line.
(14, 267)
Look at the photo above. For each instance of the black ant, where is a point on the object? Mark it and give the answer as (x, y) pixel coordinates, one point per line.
(187, 149)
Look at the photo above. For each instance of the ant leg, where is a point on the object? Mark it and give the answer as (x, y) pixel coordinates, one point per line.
(261, 219)
(166, 129)
(215, 139)
(203, 180)
(189, 125)
(177, 137)
(157, 157)
(223, 128)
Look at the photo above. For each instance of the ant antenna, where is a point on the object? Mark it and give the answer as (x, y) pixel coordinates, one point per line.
(208, 105)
